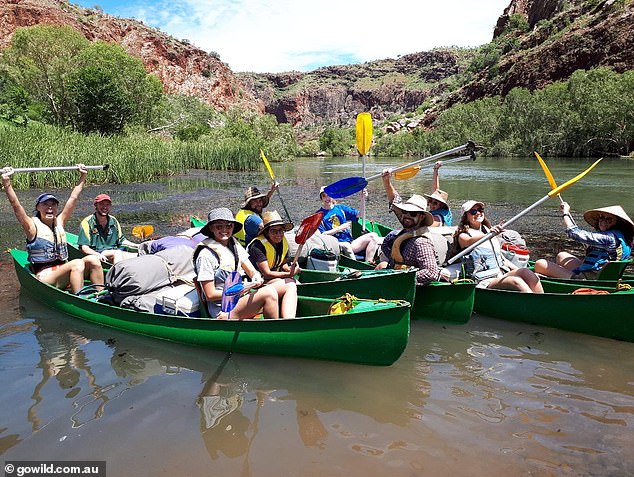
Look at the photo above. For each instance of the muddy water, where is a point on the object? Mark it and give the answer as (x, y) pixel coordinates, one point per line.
(486, 398)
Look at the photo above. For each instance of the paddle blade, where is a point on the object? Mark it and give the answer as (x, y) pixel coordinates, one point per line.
(142, 231)
(364, 133)
(308, 227)
(565, 185)
(229, 302)
(267, 165)
(346, 187)
(549, 176)
(406, 173)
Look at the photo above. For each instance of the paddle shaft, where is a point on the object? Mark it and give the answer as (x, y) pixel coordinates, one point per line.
(492, 234)
(448, 152)
(272, 175)
(58, 168)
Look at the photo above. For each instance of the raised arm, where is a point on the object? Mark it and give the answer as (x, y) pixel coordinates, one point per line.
(386, 176)
(74, 195)
(24, 220)
(435, 179)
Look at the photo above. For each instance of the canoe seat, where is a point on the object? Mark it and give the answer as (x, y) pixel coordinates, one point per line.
(613, 270)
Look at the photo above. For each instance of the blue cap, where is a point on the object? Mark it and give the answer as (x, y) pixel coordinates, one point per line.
(44, 197)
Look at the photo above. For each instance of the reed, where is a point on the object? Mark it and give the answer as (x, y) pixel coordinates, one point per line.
(134, 158)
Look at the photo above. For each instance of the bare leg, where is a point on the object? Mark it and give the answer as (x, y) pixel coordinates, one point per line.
(265, 300)
(367, 243)
(551, 269)
(93, 270)
(287, 296)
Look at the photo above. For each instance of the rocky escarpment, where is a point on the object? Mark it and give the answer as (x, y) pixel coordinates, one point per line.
(335, 94)
(560, 41)
(181, 67)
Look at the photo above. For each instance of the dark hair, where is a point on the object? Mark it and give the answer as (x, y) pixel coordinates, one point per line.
(463, 227)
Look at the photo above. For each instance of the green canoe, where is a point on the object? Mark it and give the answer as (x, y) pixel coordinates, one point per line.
(600, 315)
(438, 301)
(372, 332)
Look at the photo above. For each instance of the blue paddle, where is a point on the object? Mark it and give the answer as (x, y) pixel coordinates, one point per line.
(231, 292)
(352, 185)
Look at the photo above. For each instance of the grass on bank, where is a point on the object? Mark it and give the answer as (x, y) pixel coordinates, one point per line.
(133, 158)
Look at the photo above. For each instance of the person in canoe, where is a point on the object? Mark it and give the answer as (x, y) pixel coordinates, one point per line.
(100, 233)
(414, 245)
(610, 240)
(250, 214)
(490, 268)
(46, 239)
(436, 201)
(219, 255)
(337, 222)
(269, 252)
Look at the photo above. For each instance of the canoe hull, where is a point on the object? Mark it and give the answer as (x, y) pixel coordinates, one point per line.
(376, 337)
(438, 301)
(609, 316)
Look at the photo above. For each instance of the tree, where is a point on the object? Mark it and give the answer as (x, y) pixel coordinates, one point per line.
(39, 60)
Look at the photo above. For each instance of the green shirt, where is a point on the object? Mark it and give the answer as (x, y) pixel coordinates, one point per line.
(91, 234)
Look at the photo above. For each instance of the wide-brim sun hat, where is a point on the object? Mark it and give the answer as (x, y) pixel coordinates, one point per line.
(416, 203)
(470, 204)
(273, 218)
(592, 216)
(439, 195)
(254, 193)
(221, 213)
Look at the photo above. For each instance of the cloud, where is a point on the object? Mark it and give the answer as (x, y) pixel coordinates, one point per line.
(283, 35)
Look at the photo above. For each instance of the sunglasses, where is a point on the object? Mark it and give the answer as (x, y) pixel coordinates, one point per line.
(410, 214)
(276, 230)
(605, 218)
(477, 210)
(221, 226)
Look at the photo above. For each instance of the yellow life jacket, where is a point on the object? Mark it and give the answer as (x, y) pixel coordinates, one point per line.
(241, 217)
(438, 241)
(274, 259)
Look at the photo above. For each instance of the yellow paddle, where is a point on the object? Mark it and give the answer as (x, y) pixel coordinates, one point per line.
(364, 143)
(409, 172)
(550, 178)
(142, 231)
(552, 193)
(272, 175)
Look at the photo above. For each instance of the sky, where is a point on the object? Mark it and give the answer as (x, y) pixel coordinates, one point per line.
(272, 36)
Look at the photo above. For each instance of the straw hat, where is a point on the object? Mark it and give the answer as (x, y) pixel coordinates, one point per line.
(439, 195)
(470, 204)
(416, 203)
(592, 217)
(221, 213)
(272, 218)
(254, 193)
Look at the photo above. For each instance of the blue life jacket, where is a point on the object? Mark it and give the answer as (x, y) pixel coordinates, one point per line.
(597, 257)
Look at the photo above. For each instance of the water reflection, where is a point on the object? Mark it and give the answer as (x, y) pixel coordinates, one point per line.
(461, 401)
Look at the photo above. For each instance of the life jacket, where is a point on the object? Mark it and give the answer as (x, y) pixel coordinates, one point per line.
(241, 217)
(97, 240)
(438, 241)
(227, 259)
(49, 244)
(444, 215)
(484, 261)
(597, 257)
(274, 259)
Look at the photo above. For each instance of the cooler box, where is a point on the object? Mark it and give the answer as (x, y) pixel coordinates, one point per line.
(180, 300)
(321, 260)
(516, 254)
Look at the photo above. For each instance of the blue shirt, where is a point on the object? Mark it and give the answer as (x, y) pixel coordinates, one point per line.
(336, 216)
(444, 215)
(251, 227)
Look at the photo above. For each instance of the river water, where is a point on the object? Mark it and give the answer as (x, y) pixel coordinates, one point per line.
(486, 398)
